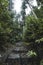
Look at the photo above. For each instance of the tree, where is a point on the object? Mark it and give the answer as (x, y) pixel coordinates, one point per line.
(5, 23)
(23, 13)
(17, 31)
(39, 11)
(33, 26)
(34, 32)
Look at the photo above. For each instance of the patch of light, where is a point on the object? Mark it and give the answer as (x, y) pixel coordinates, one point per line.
(34, 3)
(17, 5)
(28, 10)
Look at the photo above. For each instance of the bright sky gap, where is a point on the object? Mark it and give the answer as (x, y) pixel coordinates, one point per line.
(17, 6)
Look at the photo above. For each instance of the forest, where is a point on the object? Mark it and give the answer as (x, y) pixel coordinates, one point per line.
(21, 34)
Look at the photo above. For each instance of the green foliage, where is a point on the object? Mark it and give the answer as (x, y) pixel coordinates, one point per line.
(34, 36)
(39, 12)
(31, 54)
(16, 33)
(5, 22)
(39, 40)
(34, 29)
